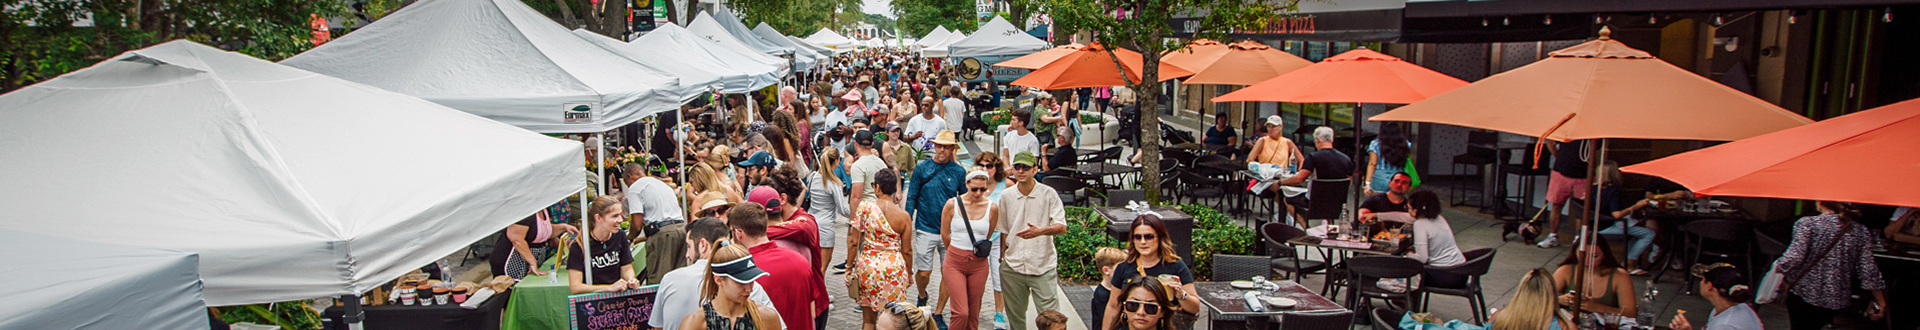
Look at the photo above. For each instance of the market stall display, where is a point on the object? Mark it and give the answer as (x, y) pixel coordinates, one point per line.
(74, 284)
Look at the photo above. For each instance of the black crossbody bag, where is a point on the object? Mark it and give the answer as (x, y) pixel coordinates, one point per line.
(981, 249)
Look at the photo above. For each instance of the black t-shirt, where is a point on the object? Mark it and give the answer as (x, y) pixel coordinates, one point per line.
(1063, 157)
(1381, 203)
(1126, 271)
(608, 256)
(1328, 164)
(1566, 160)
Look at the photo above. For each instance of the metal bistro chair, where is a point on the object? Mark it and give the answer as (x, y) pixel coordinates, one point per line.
(1286, 256)
(1386, 318)
(1068, 188)
(1363, 272)
(1338, 320)
(1228, 267)
(1462, 280)
(1476, 158)
(1767, 245)
(1194, 187)
(1119, 198)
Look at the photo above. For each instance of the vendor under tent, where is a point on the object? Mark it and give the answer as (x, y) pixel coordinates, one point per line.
(938, 34)
(74, 284)
(827, 38)
(290, 185)
(704, 25)
(743, 72)
(997, 37)
(694, 81)
(731, 23)
(498, 59)
(803, 59)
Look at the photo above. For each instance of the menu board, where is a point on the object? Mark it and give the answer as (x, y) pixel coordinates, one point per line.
(624, 310)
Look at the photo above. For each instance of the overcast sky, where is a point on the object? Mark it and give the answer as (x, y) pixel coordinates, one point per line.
(878, 7)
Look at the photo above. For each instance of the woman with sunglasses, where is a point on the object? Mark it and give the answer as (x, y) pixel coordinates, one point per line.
(968, 219)
(1150, 257)
(725, 303)
(1147, 304)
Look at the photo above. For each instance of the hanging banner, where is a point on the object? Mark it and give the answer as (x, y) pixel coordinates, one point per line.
(976, 68)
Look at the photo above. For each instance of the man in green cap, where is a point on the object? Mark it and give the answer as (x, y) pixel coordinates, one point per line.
(1032, 214)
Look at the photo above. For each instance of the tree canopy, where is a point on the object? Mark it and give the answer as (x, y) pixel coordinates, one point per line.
(917, 17)
(799, 16)
(41, 39)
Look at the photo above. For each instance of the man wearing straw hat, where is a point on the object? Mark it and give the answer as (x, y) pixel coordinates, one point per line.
(934, 182)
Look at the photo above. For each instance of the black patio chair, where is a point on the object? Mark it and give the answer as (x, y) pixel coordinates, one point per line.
(1285, 256)
(1462, 280)
(1338, 320)
(1068, 188)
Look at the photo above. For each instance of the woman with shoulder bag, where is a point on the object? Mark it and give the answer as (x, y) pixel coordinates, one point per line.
(1829, 253)
(968, 219)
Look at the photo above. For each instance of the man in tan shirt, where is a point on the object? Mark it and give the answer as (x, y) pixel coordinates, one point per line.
(1032, 213)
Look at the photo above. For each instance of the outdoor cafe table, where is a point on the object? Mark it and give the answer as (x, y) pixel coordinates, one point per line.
(1101, 169)
(537, 304)
(1222, 299)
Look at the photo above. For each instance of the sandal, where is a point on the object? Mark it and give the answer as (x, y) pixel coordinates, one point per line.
(1639, 272)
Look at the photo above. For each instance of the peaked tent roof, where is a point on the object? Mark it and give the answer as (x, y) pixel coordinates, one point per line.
(693, 80)
(742, 72)
(706, 26)
(825, 54)
(939, 49)
(997, 37)
(498, 59)
(289, 184)
(938, 34)
(732, 24)
(77, 284)
(828, 38)
(803, 58)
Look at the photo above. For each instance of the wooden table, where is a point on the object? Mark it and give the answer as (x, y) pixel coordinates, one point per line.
(1222, 299)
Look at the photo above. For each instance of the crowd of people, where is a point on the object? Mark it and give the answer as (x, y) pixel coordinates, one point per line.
(740, 217)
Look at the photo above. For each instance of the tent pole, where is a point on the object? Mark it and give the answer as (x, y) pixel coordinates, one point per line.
(600, 162)
(353, 315)
(586, 228)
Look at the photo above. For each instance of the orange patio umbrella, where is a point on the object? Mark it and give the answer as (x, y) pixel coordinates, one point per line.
(1847, 158)
(1197, 55)
(1356, 76)
(1245, 63)
(1040, 58)
(1602, 89)
(1092, 67)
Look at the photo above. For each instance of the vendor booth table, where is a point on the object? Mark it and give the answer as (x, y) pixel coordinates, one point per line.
(414, 317)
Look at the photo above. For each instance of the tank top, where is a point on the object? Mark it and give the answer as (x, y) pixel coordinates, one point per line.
(957, 236)
(717, 322)
(1274, 151)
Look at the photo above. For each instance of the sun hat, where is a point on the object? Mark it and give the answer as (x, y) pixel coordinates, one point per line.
(945, 138)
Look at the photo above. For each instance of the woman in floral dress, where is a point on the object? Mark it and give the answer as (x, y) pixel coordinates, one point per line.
(879, 264)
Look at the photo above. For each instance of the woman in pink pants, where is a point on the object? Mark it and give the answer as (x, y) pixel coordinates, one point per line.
(967, 219)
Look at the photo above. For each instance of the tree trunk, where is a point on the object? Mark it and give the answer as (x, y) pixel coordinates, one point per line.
(567, 19)
(693, 9)
(1147, 99)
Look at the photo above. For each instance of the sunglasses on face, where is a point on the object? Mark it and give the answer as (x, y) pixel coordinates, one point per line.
(977, 190)
(1145, 237)
(1022, 167)
(1135, 306)
(713, 212)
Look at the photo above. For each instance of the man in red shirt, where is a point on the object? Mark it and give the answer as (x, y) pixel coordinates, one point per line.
(791, 283)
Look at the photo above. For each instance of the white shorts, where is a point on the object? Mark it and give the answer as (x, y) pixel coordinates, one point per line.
(927, 251)
(993, 268)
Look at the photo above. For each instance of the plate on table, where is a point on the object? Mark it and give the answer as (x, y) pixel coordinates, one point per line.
(1280, 302)
(1244, 285)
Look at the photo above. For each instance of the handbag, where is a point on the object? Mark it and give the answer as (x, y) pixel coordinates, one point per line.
(1774, 284)
(981, 249)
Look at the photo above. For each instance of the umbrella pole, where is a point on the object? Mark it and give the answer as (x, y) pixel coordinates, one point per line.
(1591, 209)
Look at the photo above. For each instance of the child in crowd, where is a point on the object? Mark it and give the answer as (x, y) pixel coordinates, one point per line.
(1104, 258)
(1051, 320)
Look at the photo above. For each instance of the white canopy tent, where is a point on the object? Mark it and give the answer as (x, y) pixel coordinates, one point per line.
(997, 37)
(289, 184)
(938, 34)
(805, 58)
(498, 59)
(742, 72)
(939, 49)
(693, 80)
(731, 22)
(825, 53)
(74, 284)
(706, 26)
(827, 38)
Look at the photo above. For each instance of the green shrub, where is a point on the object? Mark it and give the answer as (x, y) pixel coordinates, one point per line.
(1213, 233)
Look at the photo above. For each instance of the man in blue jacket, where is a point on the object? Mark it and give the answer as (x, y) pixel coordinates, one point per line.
(934, 182)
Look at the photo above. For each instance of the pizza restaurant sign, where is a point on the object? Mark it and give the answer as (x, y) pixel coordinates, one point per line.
(1302, 24)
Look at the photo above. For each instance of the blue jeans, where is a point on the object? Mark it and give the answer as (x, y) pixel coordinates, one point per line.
(1638, 238)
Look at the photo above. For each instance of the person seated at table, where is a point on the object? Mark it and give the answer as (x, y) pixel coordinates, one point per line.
(679, 293)
(1903, 229)
(1330, 170)
(1615, 220)
(1063, 153)
(1389, 206)
(1531, 307)
(609, 248)
(1221, 137)
(519, 251)
(1274, 148)
(726, 294)
(1150, 255)
(1727, 289)
(1147, 305)
(1433, 242)
(1606, 288)
(1104, 259)
(1387, 156)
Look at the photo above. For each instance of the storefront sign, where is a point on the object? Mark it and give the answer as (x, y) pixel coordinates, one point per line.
(575, 113)
(624, 310)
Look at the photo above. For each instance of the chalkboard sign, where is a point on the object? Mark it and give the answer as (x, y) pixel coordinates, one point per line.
(624, 310)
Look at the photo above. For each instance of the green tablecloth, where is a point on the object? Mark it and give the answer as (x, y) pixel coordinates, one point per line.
(537, 304)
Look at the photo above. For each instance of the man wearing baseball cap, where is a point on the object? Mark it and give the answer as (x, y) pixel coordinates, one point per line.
(1032, 213)
(756, 168)
(934, 182)
(790, 282)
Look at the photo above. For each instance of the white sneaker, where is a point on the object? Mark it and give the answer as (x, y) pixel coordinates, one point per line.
(1552, 240)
